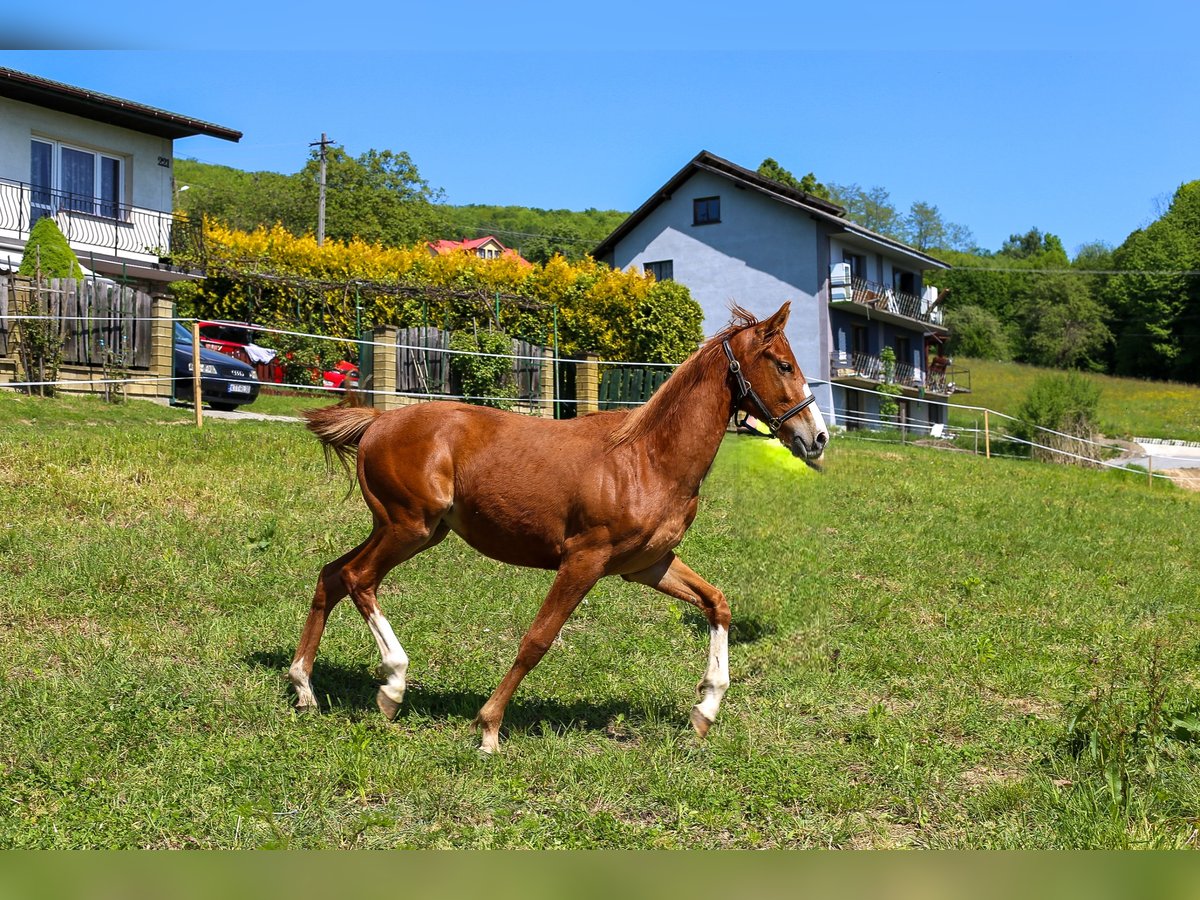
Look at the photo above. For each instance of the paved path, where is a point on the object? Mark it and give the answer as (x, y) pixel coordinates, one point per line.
(247, 414)
(1167, 454)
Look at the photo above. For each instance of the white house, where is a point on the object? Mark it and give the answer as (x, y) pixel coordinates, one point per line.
(101, 166)
(730, 234)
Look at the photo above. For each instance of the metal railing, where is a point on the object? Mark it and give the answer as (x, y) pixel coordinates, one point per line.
(96, 225)
(864, 366)
(900, 303)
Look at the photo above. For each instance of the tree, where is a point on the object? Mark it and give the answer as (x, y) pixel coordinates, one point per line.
(872, 208)
(1156, 305)
(1064, 324)
(379, 196)
(977, 332)
(1044, 249)
(769, 168)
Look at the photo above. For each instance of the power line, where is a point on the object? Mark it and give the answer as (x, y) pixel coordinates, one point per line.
(1069, 271)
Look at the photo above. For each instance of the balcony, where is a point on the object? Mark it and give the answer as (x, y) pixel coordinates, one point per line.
(864, 369)
(886, 303)
(98, 227)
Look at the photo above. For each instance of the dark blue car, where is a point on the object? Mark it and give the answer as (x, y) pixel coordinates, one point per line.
(225, 382)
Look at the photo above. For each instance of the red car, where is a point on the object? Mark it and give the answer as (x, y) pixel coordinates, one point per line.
(236, 339)
(343, 375)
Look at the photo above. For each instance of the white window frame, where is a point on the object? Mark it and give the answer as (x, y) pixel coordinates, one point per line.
(96, 204)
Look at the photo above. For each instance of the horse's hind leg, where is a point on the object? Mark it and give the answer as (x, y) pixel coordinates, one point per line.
(358, 573)
(673, 578)
(388, 546)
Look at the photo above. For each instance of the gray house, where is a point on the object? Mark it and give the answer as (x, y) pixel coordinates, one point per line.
(101, 166)
(730, 234)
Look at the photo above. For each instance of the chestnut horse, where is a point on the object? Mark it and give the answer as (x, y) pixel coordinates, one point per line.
(606, 494)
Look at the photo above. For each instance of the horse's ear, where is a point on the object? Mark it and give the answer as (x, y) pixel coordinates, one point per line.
(773, 326)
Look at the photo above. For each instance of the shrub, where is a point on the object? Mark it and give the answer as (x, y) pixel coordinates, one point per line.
(889, 409)
(48, 253)
(487, 380)
(39, 340)
(271, 277)
(1064, 403)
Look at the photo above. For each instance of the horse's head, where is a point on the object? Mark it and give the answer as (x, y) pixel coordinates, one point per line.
(771, 386)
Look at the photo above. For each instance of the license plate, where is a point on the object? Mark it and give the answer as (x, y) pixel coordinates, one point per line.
(239, 388)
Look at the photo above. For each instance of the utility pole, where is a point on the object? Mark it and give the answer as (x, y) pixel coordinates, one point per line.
(322, 143)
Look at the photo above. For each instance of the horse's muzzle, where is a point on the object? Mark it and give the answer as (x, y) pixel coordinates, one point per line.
(811, 452)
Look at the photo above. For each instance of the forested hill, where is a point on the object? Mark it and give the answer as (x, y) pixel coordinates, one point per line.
(381, 197)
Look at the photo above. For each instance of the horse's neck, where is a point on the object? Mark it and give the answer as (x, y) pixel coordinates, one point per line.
(689, 436)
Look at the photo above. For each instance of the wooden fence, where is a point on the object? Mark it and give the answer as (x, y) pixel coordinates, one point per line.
(100, 322)
(423, 366)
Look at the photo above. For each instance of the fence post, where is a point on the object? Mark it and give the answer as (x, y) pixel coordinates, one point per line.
(587, 385)
(987, 436)
(546, 385)
(383, 368)
(162, 360)
(196, 399)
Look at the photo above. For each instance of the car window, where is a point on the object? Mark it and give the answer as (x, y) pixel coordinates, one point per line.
(182, 335)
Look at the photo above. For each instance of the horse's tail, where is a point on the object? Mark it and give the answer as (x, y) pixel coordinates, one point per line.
(340, 427)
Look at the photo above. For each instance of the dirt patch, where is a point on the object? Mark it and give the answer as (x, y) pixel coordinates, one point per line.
(1188, 479)
(980, 777)
(1025, 706)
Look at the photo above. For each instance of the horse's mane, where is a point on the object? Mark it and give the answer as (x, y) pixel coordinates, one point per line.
(661, 410)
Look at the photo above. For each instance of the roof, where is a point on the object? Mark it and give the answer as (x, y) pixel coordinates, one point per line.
(830, 213)
(104, 108)
(443, 247)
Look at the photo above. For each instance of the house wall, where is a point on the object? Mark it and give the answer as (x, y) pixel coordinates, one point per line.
(147, 184)
(760, 254)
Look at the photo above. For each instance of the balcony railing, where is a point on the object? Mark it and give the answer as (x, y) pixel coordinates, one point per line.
(94, 225)
(935, 380)
(886, 299)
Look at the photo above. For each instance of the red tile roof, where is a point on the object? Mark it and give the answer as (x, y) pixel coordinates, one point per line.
(471, 245)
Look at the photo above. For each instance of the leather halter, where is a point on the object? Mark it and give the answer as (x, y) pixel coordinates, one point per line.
(745, 390)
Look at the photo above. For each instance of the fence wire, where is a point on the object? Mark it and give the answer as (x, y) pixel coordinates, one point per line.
(950, 433)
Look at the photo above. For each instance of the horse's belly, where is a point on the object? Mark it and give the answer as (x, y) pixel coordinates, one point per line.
(515, 543)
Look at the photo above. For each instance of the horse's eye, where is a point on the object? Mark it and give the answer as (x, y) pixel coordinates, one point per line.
(784, 367)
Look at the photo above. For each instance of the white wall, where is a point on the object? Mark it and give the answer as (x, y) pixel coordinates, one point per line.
(147, 184)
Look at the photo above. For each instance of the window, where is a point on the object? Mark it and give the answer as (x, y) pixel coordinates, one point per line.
(706, 211)
(662, 271)
(70, 178)
(859, 339)
(858, 264)
(905, 282)
(903, 351)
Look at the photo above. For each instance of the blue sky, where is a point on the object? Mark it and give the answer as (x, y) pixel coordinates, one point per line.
(1077, 120)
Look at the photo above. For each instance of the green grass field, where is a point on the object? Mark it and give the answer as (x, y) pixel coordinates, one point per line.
(1129, 407)
(929, 650)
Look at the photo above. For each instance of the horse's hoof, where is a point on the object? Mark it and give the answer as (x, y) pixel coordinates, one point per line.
(489, 745)
(700, 722)
(389, 707)
(307, 709)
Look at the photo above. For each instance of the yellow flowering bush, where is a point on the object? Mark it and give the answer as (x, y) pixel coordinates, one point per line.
(270, 277)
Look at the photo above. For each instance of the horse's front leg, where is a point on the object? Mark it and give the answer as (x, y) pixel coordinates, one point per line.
(576, 576)
(675, 579)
